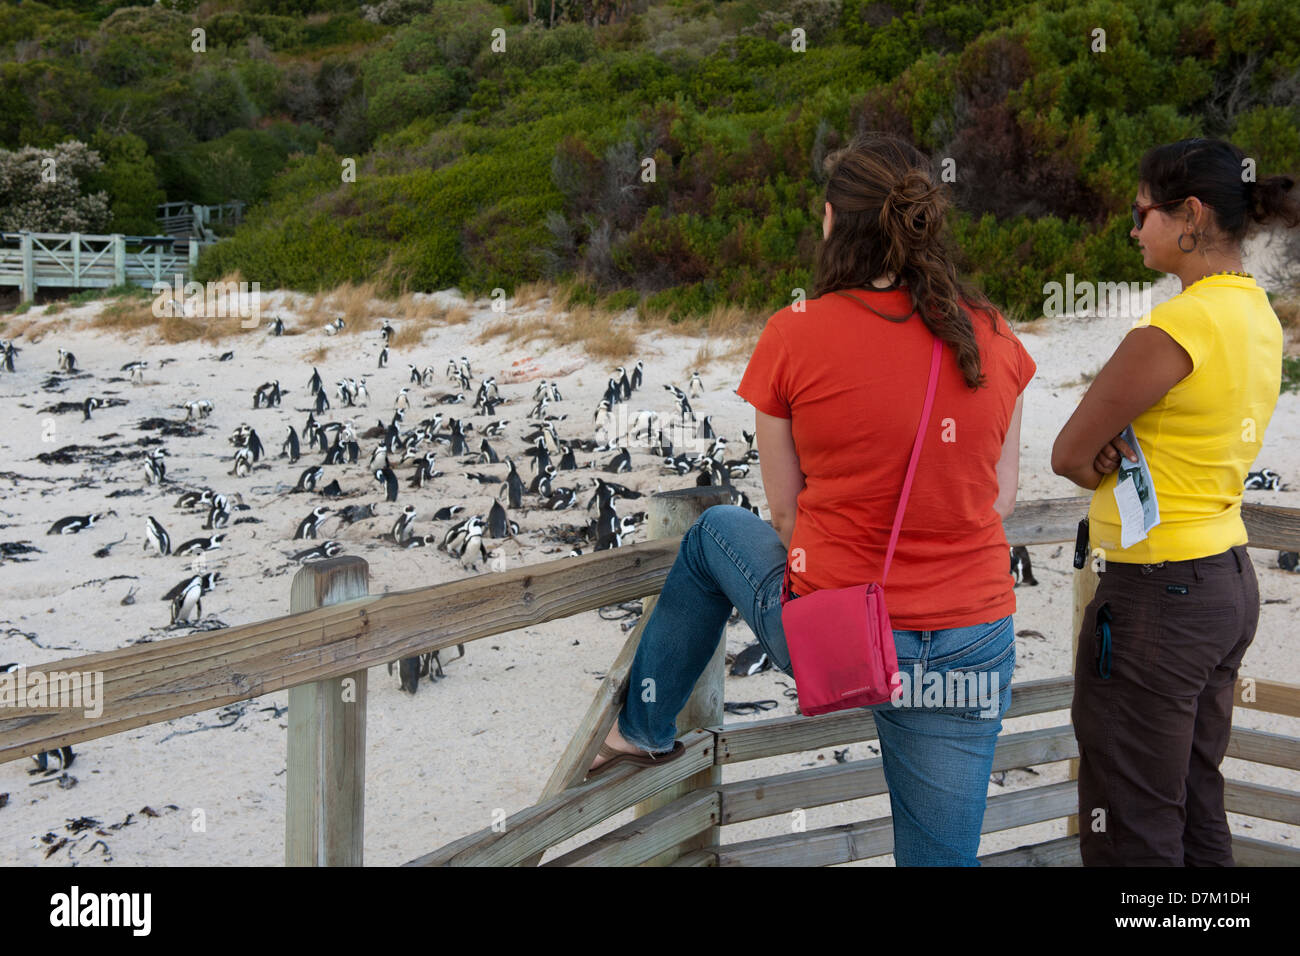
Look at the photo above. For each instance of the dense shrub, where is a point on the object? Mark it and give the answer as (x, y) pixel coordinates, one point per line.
(41, 190)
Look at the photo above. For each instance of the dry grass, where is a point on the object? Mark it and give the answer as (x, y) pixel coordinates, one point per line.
(528, 294)
(357, 303)
(730, 333)
(25, 327)
(595, 331)
(133, 314)
(319, 354)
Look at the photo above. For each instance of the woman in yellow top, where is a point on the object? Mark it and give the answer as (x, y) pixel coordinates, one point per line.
(1177, 603)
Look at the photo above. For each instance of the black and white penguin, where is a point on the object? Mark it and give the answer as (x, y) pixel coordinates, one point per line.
(291, 446)
(218, 514)
(402, 527)
(322, 401)
(88, 406)
(458, 534)
(156, 537)
(355, 513)
(1264, 478)
(752, 660)
(314, 383)
(74, 523)
(624, 383)
(335, 454)
(277, 326)
(448, 512)
(1288, 560)
(226, 356)
(696, 386)
(622, 462)
(187, 603)
(197, 545)
(388, 479)
(383, 357)
(387, 331)
(514, 486)
(309, 525)
(243, 463)
(706, 428)
(155, 469)
(637, 374)
(67, 361)
(308, 479)
(1021, 569)
(135, 370)
(499, 524)
(326, 549)
(567, 460)
(560, 498)
(474, 552)
(194, 499)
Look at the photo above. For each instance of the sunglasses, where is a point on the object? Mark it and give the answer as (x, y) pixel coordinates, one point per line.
(1140, 211)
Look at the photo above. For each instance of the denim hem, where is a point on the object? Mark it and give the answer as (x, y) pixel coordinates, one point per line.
(652, 749)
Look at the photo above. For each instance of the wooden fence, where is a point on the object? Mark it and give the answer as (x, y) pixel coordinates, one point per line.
(32, 260)
(336, 630)
(192, 219)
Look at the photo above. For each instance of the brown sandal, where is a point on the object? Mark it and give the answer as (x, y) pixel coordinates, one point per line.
(638, 760)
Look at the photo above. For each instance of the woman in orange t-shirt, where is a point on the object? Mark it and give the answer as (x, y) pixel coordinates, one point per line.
(838, 383)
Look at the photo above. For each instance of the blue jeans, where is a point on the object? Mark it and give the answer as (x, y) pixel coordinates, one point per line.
(936, 758)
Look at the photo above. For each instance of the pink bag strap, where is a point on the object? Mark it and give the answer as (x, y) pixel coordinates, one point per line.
(911, 471)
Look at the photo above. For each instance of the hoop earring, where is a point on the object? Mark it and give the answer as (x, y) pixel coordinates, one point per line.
(1187, 235)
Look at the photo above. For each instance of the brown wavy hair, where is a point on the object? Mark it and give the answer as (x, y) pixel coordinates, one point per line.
(889, 216)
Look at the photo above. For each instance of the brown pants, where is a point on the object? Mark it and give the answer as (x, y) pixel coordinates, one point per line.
(1153, 733)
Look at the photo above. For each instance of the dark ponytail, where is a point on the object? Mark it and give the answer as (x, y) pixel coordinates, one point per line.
(1271, 200)
(1212, 171)
(889, 216)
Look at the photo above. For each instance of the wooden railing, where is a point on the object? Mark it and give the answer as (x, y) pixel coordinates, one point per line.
(192, 219)
(32, 260)
(336, 630)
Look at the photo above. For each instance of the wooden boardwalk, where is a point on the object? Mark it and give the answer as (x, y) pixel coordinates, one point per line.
(74, 260)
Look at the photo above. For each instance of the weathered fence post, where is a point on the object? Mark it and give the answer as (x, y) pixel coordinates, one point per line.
(670, 514)
(1085, 586)
(325, 800)
(29, 269)
(119, 259)
(76, 260)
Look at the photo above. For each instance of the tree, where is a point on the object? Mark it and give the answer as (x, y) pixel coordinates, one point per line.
(41, 190)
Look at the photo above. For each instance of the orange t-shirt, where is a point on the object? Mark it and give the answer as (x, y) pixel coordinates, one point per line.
(853, 384)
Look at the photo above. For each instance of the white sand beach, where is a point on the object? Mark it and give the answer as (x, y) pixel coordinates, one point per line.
(488, 734)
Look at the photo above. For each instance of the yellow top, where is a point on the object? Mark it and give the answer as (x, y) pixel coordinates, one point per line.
(1202, 437)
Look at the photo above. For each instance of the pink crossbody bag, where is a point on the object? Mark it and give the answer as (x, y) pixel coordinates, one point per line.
(840, 640)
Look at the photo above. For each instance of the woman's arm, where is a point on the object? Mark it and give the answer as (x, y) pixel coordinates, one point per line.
(1147, 364)
(782, 477)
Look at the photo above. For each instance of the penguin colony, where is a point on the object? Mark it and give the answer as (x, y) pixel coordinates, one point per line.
(325, 457)
(314, 456)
